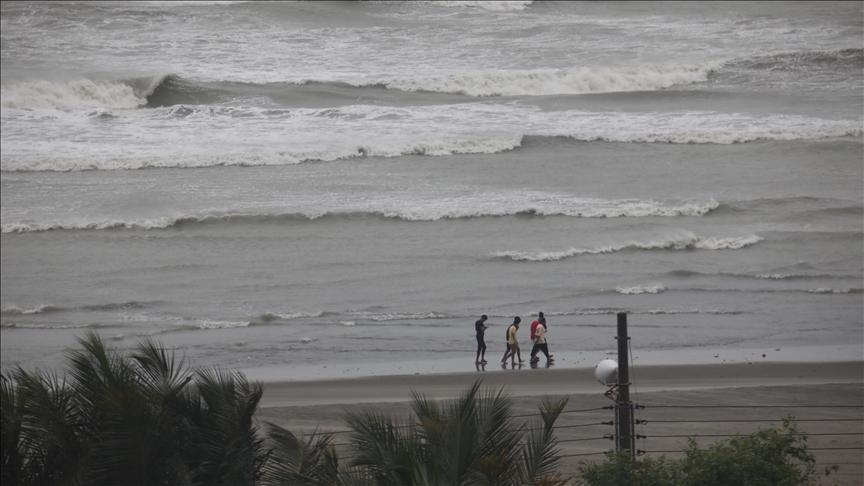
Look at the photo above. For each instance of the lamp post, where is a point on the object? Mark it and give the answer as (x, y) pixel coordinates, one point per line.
(625, 437)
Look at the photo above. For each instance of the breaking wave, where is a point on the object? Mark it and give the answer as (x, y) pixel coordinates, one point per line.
(689, 242)
(727, 137)
(849, 290)
(401, 316)
(579, 209)
(28, 325)
(612, 311)
(601, 128)
(653, 289)
(556, 82)
(507, 5)
(272, 316)
(81, 93)
(435, 148)
(157, 90)
(213, 324)
(13, 310)
(170, 89)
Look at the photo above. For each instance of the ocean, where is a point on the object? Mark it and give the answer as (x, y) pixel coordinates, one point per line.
(289, 186)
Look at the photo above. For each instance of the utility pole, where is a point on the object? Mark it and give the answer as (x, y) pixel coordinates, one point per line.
(625, 428)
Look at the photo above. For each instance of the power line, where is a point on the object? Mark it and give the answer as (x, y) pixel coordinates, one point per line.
(733, 435)
(608, 437)
(751, 420)
(588, 454)
(754, 406)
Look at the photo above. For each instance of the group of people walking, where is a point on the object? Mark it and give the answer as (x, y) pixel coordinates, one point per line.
(538, 337)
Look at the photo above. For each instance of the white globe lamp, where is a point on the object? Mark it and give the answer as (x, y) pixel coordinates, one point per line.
(607, 372)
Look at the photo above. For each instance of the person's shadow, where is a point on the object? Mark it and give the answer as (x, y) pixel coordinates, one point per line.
(513, 366)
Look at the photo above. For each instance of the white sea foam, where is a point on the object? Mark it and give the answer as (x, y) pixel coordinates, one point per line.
(724, 137)
(15, 310)
(690, 241)
(295, 315)
(401, 317)
(27, 325)
(504, 5)
(89, 225)
(207, 136)
(348, 323)
(600, 312)
(78, 94)
(849, 290)
(212, 324)
(560, 81)
(383, 149)
(433, 148)
(455, 208)
(652, 289)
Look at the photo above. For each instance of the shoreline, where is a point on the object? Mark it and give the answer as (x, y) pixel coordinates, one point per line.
(552, 381)
(462, 362)
(707, 402)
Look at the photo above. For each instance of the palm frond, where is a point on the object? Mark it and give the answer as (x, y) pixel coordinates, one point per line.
(223, 446)
(382, 447)
(309, 460)
(540, 451)
(40, 443)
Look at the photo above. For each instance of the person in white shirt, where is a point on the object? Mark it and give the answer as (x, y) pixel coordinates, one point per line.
(512, 344)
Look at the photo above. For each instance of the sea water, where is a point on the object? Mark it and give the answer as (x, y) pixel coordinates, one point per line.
(289, 186)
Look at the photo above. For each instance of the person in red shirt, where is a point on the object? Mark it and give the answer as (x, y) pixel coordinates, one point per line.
(538, 335)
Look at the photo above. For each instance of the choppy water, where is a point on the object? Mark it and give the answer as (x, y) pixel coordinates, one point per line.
(306, 183)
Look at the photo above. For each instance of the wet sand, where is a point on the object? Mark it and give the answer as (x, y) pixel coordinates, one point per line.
(707, 401)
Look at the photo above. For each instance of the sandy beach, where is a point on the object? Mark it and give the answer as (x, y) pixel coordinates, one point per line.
(706, 401)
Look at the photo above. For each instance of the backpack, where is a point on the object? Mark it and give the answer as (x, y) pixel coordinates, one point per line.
(534, 329)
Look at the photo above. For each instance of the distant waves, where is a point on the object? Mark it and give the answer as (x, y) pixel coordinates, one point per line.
(688, 241)
(527, 204)
(159, 90)
(669, 128)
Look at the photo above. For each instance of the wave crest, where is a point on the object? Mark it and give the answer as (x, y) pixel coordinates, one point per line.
(689, 242)
(574, 208)
(433, 148)
(271, 316)
(653, 289)
(850, 290)
(15, 310)
(727, 137)
(556, 82)
(80, 93)
(213, 324)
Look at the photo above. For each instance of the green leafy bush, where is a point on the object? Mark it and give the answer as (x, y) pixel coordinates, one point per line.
(775, 457)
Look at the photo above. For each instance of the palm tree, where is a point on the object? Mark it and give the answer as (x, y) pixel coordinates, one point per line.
(472, 440)
(306, 460)
(142, 418)
(130, 419)
(39, 439)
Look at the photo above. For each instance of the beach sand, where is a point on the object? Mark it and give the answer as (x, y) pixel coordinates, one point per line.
(706, 401)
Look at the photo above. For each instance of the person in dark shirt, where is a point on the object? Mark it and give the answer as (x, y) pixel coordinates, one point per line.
(481, 343)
